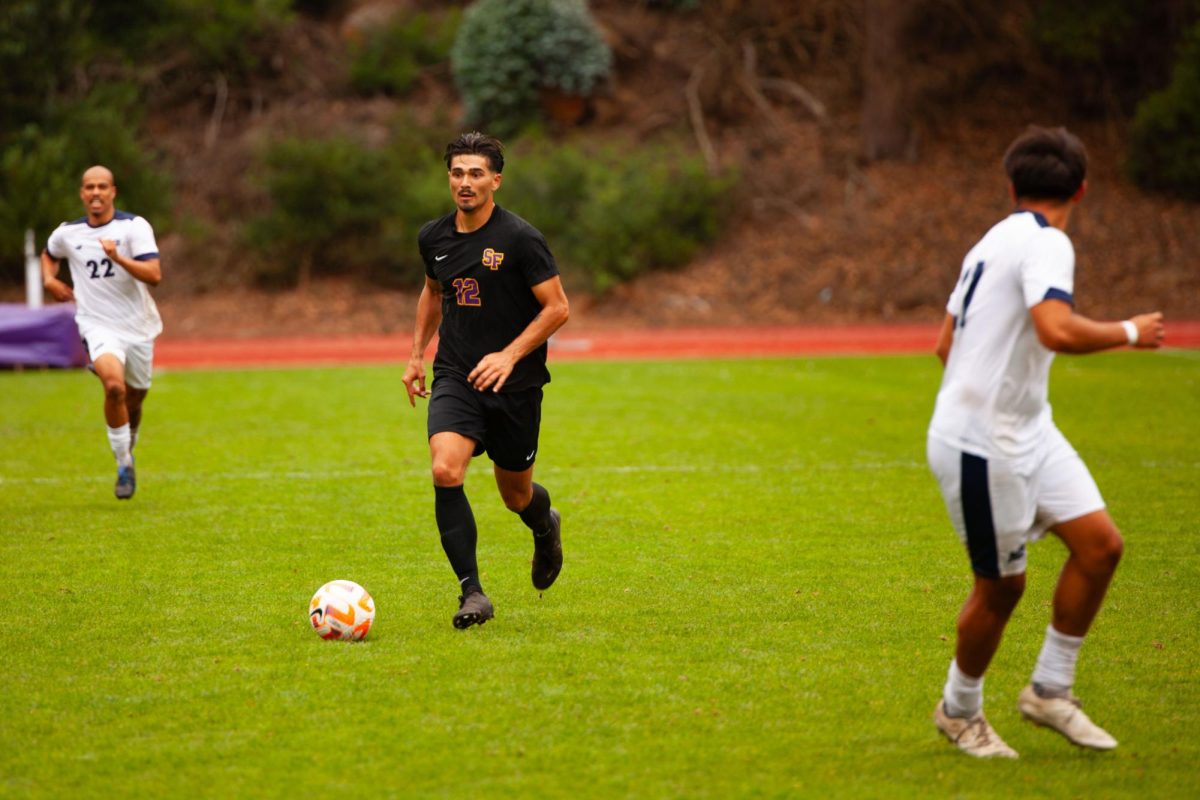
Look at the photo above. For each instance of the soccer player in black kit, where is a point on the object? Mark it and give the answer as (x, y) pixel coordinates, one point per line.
(493, 294)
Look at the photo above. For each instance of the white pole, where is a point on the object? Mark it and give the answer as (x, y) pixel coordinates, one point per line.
(33, 273)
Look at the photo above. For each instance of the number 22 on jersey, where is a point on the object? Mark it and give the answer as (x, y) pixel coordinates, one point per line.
(95, 268)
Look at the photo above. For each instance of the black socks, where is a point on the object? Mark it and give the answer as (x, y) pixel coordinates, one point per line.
(456, 523)
(536, 515)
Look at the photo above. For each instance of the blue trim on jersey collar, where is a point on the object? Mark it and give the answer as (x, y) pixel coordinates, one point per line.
(1037, 215)
(1059, 294)
(117, 214)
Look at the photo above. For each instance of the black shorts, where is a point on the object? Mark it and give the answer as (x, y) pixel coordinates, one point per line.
(505, 425)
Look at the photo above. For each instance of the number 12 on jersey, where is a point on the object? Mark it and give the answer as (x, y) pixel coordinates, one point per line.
(466, 292)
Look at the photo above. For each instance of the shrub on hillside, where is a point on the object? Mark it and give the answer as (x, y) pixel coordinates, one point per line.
(1110, 53)
(388, 60)
(337, 207)
(508, 52)
(321, 9)
(614, 215)
(40, 44)
(328, 199)
(675, 5)
(226, 35)
(1164, 151)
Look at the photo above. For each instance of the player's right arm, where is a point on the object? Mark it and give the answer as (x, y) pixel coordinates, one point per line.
(429, 316)
(1060, 329)
(945, 339)
(57, 289)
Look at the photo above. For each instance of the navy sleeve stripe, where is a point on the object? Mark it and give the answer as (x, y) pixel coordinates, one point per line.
(145, 256)
(1059, 294)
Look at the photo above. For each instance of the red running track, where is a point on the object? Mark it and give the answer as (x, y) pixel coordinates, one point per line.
(578, 345)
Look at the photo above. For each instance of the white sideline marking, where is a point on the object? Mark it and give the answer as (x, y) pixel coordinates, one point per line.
(1175, 352)
(614, 469)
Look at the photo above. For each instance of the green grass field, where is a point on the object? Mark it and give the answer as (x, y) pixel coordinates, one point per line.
(758, 599)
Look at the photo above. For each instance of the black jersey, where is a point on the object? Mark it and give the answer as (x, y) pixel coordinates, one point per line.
(487, 301)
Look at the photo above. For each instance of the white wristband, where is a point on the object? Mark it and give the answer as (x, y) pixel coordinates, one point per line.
(1130, 332)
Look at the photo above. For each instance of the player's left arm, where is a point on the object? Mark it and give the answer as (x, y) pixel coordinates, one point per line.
(1060, 329)
(494, 368)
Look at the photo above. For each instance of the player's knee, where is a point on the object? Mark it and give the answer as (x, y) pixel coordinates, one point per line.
(516, 502)
(114, 390)
(1002, 595)
(447, 474)
(1106, 553)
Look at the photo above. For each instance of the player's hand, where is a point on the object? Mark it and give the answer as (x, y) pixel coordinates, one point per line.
(414, 382)
(492, 371)
(110, 248)
(1150, 329)
(59, 291)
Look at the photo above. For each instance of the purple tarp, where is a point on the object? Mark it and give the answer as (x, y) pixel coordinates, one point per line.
(40, 336)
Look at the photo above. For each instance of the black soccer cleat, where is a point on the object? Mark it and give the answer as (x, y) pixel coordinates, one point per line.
(126, 482)
(547, 554)
(474, 608)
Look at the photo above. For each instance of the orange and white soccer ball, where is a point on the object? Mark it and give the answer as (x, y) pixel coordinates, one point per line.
(341, 610)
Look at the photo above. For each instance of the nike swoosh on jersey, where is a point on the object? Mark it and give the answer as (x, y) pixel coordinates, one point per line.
(439, 258)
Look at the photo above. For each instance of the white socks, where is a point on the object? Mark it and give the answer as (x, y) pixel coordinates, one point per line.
(1054, 673)
(118, 440)
(963, 694)
(1055, 670)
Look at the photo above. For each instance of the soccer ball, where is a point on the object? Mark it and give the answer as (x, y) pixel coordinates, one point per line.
(341, 610)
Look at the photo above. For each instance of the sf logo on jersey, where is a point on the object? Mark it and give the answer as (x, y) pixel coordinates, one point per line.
(492, 260)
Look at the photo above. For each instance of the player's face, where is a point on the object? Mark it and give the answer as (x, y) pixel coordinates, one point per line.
(472, 182)
(98, 193)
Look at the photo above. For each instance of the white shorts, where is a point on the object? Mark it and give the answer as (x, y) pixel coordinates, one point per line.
(997, 507)
(137, 356)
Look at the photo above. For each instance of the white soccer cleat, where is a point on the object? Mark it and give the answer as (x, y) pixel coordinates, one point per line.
(1065, 715)
(973, 735)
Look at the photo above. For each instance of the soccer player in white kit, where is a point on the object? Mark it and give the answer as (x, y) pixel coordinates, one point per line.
(1005, 471)
(114, 260)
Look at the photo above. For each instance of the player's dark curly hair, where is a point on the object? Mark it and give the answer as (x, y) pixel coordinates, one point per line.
(1046, 164)
(477, 144)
